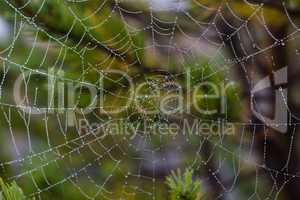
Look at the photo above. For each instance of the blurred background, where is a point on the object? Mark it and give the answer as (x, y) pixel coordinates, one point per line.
(170, 46)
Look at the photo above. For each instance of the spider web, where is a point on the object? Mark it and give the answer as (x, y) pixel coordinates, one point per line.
(49, 156)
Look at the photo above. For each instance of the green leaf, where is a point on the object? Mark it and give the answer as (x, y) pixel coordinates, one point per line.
(183, 186)
(11, 191)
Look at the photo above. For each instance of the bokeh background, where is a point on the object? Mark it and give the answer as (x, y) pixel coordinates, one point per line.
(50, 44)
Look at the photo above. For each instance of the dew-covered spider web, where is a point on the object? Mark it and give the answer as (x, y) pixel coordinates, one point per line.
(69, 68)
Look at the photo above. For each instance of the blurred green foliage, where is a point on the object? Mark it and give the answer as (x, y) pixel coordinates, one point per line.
(11, 191)
(184, 186)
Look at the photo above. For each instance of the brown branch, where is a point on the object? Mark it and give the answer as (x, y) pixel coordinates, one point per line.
(43, 21)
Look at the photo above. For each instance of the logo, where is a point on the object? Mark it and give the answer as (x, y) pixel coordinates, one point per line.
(279, 122)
